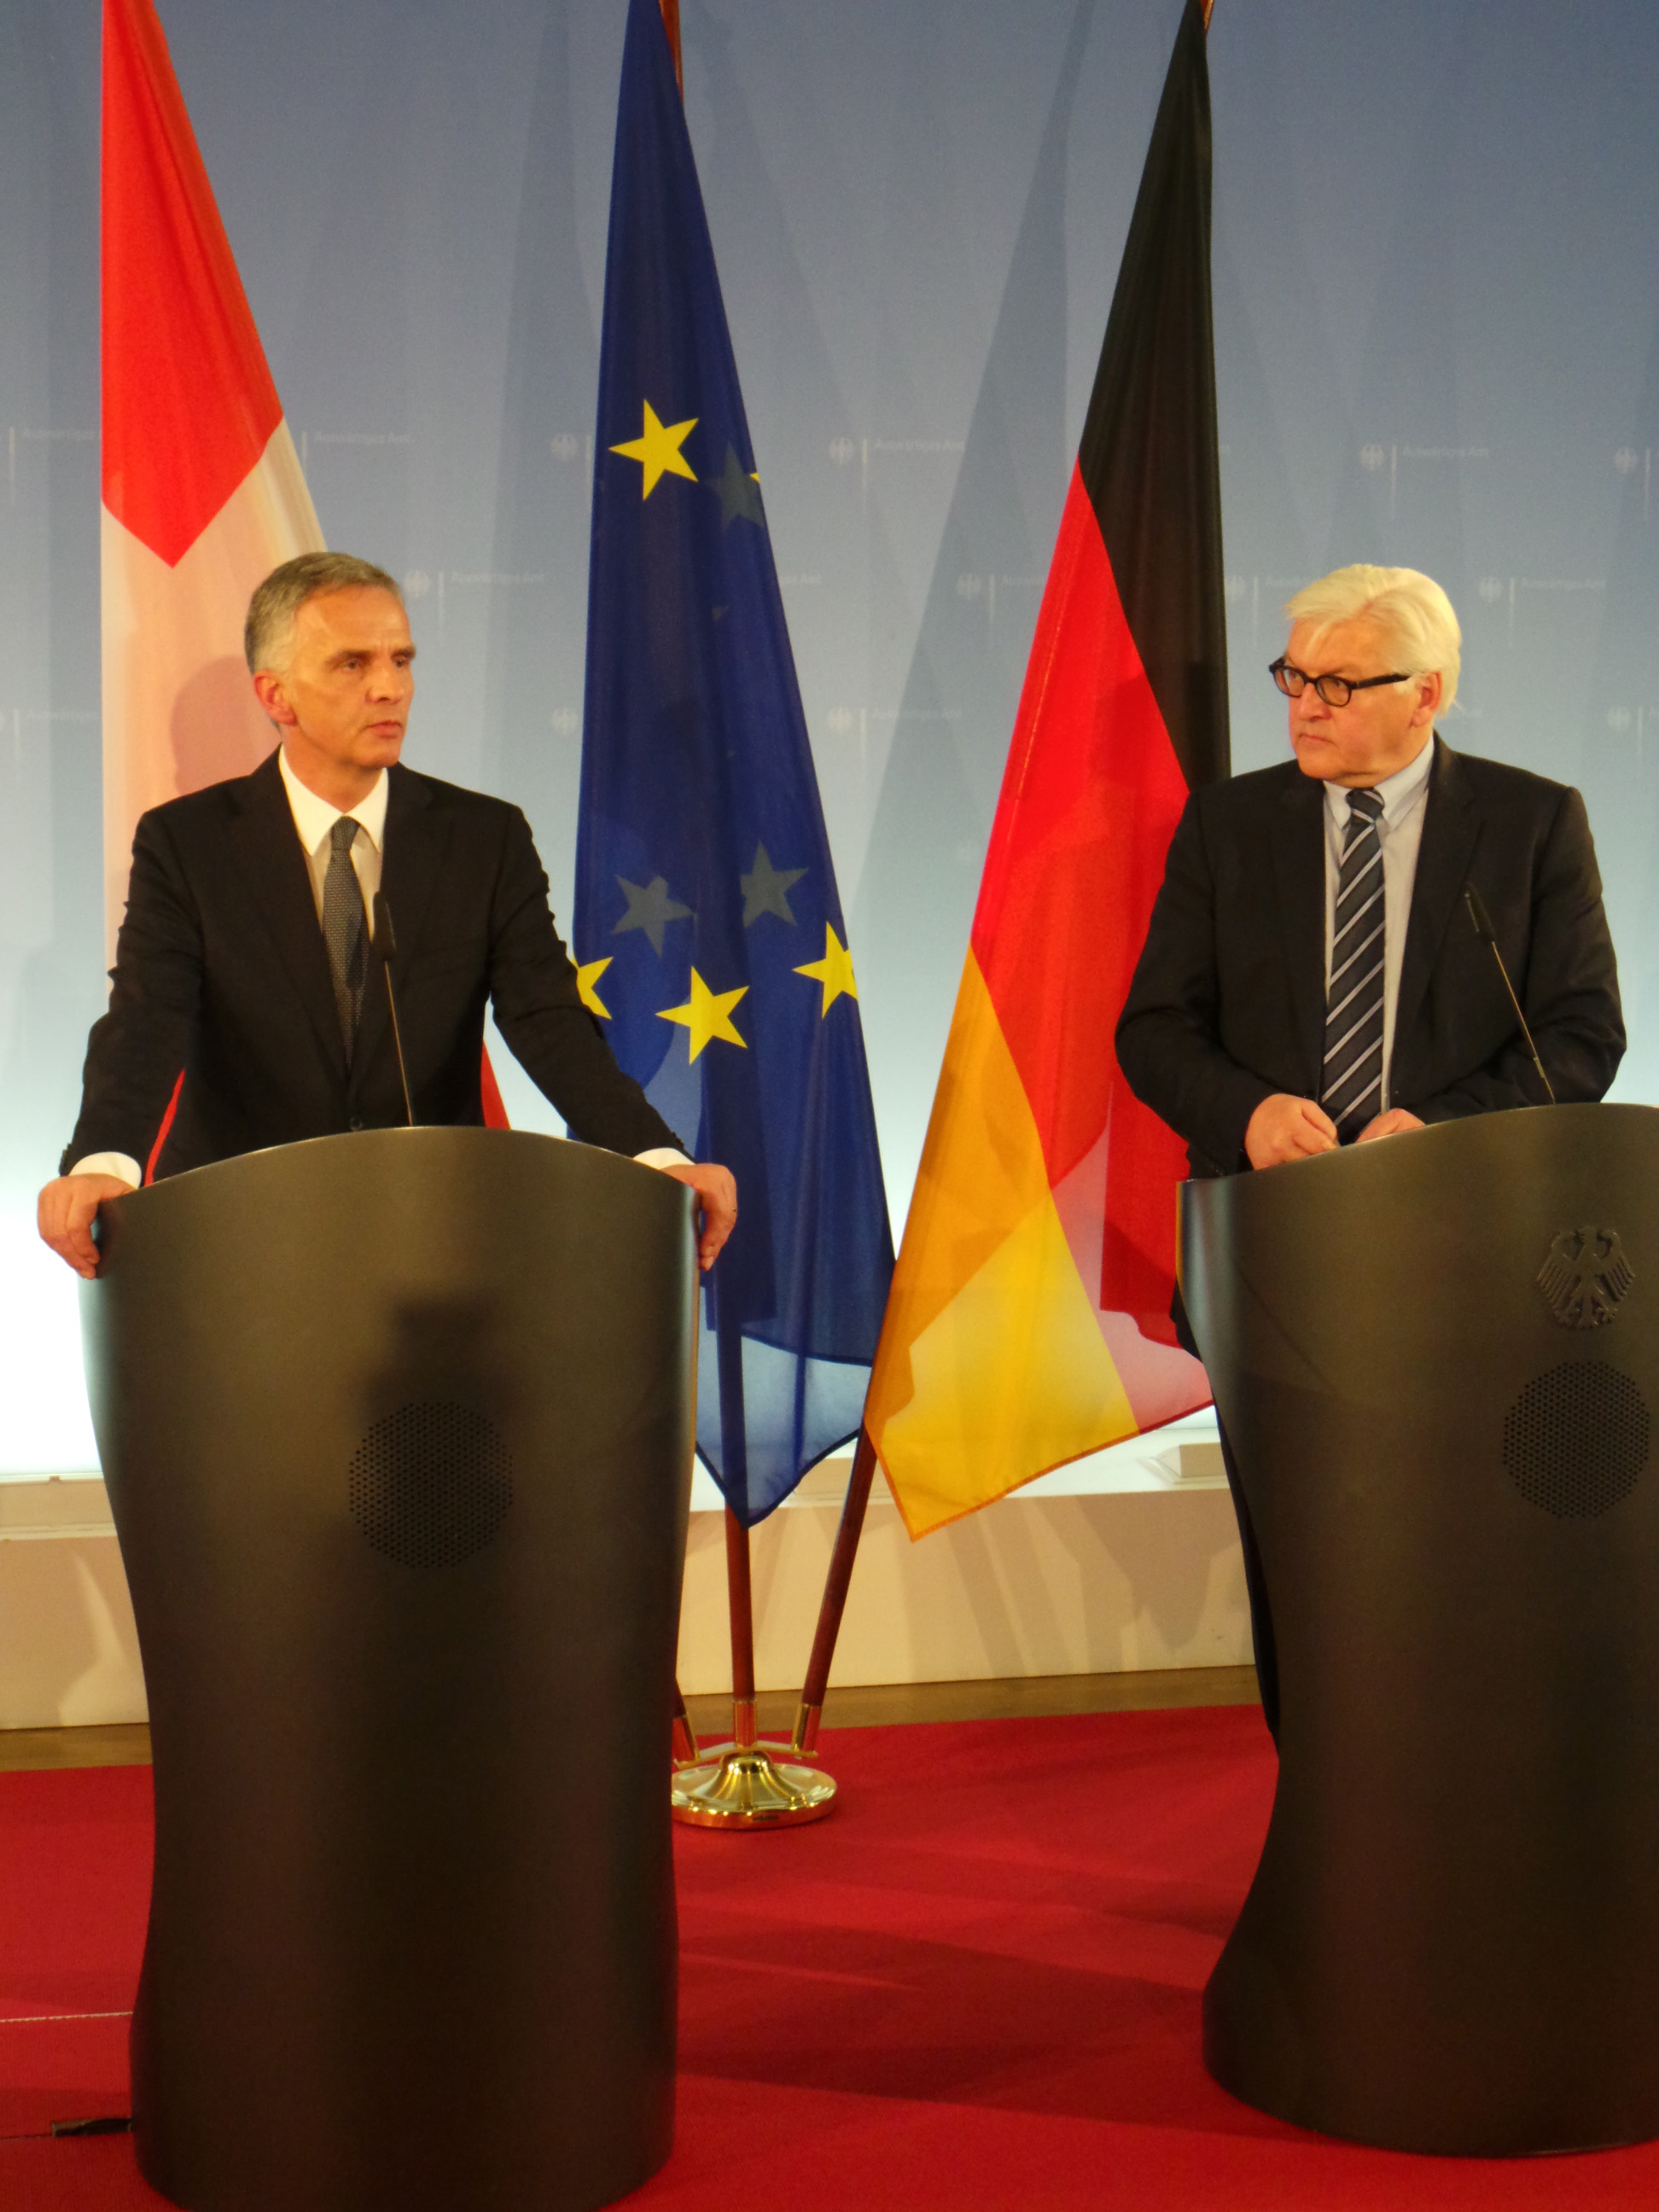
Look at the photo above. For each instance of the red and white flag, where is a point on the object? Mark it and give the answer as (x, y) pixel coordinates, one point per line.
(203, 492)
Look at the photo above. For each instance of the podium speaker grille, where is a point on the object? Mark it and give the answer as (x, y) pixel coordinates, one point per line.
(1576, 1440)
(430, 1486)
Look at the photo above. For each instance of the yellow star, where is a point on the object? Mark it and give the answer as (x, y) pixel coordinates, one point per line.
(587, 982)
(708, 1014)
(834, 971)
(657, 449)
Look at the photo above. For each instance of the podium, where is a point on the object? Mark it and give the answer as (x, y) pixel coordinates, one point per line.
(396, 1428)
(1437, 1361)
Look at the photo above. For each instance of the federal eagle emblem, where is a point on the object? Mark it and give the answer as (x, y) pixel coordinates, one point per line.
(1585, 1278)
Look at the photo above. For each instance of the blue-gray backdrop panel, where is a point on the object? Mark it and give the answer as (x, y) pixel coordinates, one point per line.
(1438, 331)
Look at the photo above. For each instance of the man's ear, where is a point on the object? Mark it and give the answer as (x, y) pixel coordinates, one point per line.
(1429, 689)
(268, 689)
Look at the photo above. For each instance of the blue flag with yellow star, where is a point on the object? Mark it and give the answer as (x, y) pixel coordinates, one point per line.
(707, 929)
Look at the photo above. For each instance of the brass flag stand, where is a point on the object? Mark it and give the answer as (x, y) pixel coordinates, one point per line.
(740, 1784)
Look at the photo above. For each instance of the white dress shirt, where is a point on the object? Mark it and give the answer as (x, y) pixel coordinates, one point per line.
(314, 818)
(314, 821)
(1399, 833)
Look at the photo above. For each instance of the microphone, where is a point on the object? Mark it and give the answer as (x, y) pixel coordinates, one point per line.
(1483, 928)
(386, 944)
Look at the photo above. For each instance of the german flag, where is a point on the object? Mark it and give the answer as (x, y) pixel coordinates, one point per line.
(1028, 1320)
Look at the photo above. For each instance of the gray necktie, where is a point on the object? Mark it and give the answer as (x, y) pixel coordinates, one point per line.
(1351, 1086)
(342, 929)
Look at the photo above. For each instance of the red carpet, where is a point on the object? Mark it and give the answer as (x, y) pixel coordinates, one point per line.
(978, 1985)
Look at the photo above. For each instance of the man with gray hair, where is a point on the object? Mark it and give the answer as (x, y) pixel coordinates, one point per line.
(1311, 976)
(247, 961)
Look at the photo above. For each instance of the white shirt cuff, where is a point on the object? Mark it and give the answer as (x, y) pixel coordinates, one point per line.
(111, 1164)
(119, 1164)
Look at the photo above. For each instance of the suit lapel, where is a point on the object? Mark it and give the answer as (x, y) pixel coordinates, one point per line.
(273, 867)
(1451, 829)
(1298, 858)
(415, 835)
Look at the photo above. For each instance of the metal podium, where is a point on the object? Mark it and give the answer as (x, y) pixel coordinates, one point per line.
(1437, 1359)
(397, 1429)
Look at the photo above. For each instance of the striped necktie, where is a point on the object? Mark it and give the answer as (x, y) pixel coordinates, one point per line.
(1351, 1087)
(343, 929)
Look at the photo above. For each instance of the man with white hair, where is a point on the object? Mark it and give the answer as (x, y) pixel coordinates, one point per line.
(1311, 976)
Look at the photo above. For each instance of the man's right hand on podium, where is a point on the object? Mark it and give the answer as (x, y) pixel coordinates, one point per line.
(1284, 1128)
(717, 1202)
(66, 1211)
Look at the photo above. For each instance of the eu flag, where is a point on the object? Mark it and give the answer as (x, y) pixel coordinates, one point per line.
(707, 928)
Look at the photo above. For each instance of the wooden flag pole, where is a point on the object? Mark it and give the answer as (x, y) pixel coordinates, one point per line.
(671, 23)
(736, 1785)
(836, 1586)
(684, 1735)
(740, 1602)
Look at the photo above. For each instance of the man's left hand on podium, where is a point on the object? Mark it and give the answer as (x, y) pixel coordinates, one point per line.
(67, 1210)
(717, 1190)
(1394, 1123)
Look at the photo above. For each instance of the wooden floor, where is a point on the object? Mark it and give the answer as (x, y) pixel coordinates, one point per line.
(893, 1703)
(881, 1705)
(75, 1747)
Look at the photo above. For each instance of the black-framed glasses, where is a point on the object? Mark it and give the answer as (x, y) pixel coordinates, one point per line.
(1334, 690)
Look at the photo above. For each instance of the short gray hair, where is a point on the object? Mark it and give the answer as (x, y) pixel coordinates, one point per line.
(1421, 632)
(268, 633)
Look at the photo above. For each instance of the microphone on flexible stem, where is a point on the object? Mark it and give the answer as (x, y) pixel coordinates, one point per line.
(1482, 921)
(386, 944)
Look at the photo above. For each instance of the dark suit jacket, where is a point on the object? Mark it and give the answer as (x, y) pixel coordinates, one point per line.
(221, 970)
(1227, 1006)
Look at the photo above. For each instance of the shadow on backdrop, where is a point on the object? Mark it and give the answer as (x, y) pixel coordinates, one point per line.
(1621, 740)
(538, 606)
(918, 888)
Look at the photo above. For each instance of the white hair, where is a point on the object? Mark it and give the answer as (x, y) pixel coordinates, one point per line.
(1420, 632)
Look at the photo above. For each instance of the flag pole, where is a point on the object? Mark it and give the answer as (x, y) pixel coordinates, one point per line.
(838, 1580)
(738, 1784)
(740, 1604)
(684, 1735)
(671, 23)
(837, 1584)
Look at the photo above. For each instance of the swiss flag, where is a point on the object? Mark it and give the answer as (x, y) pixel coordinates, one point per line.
(203, 493)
